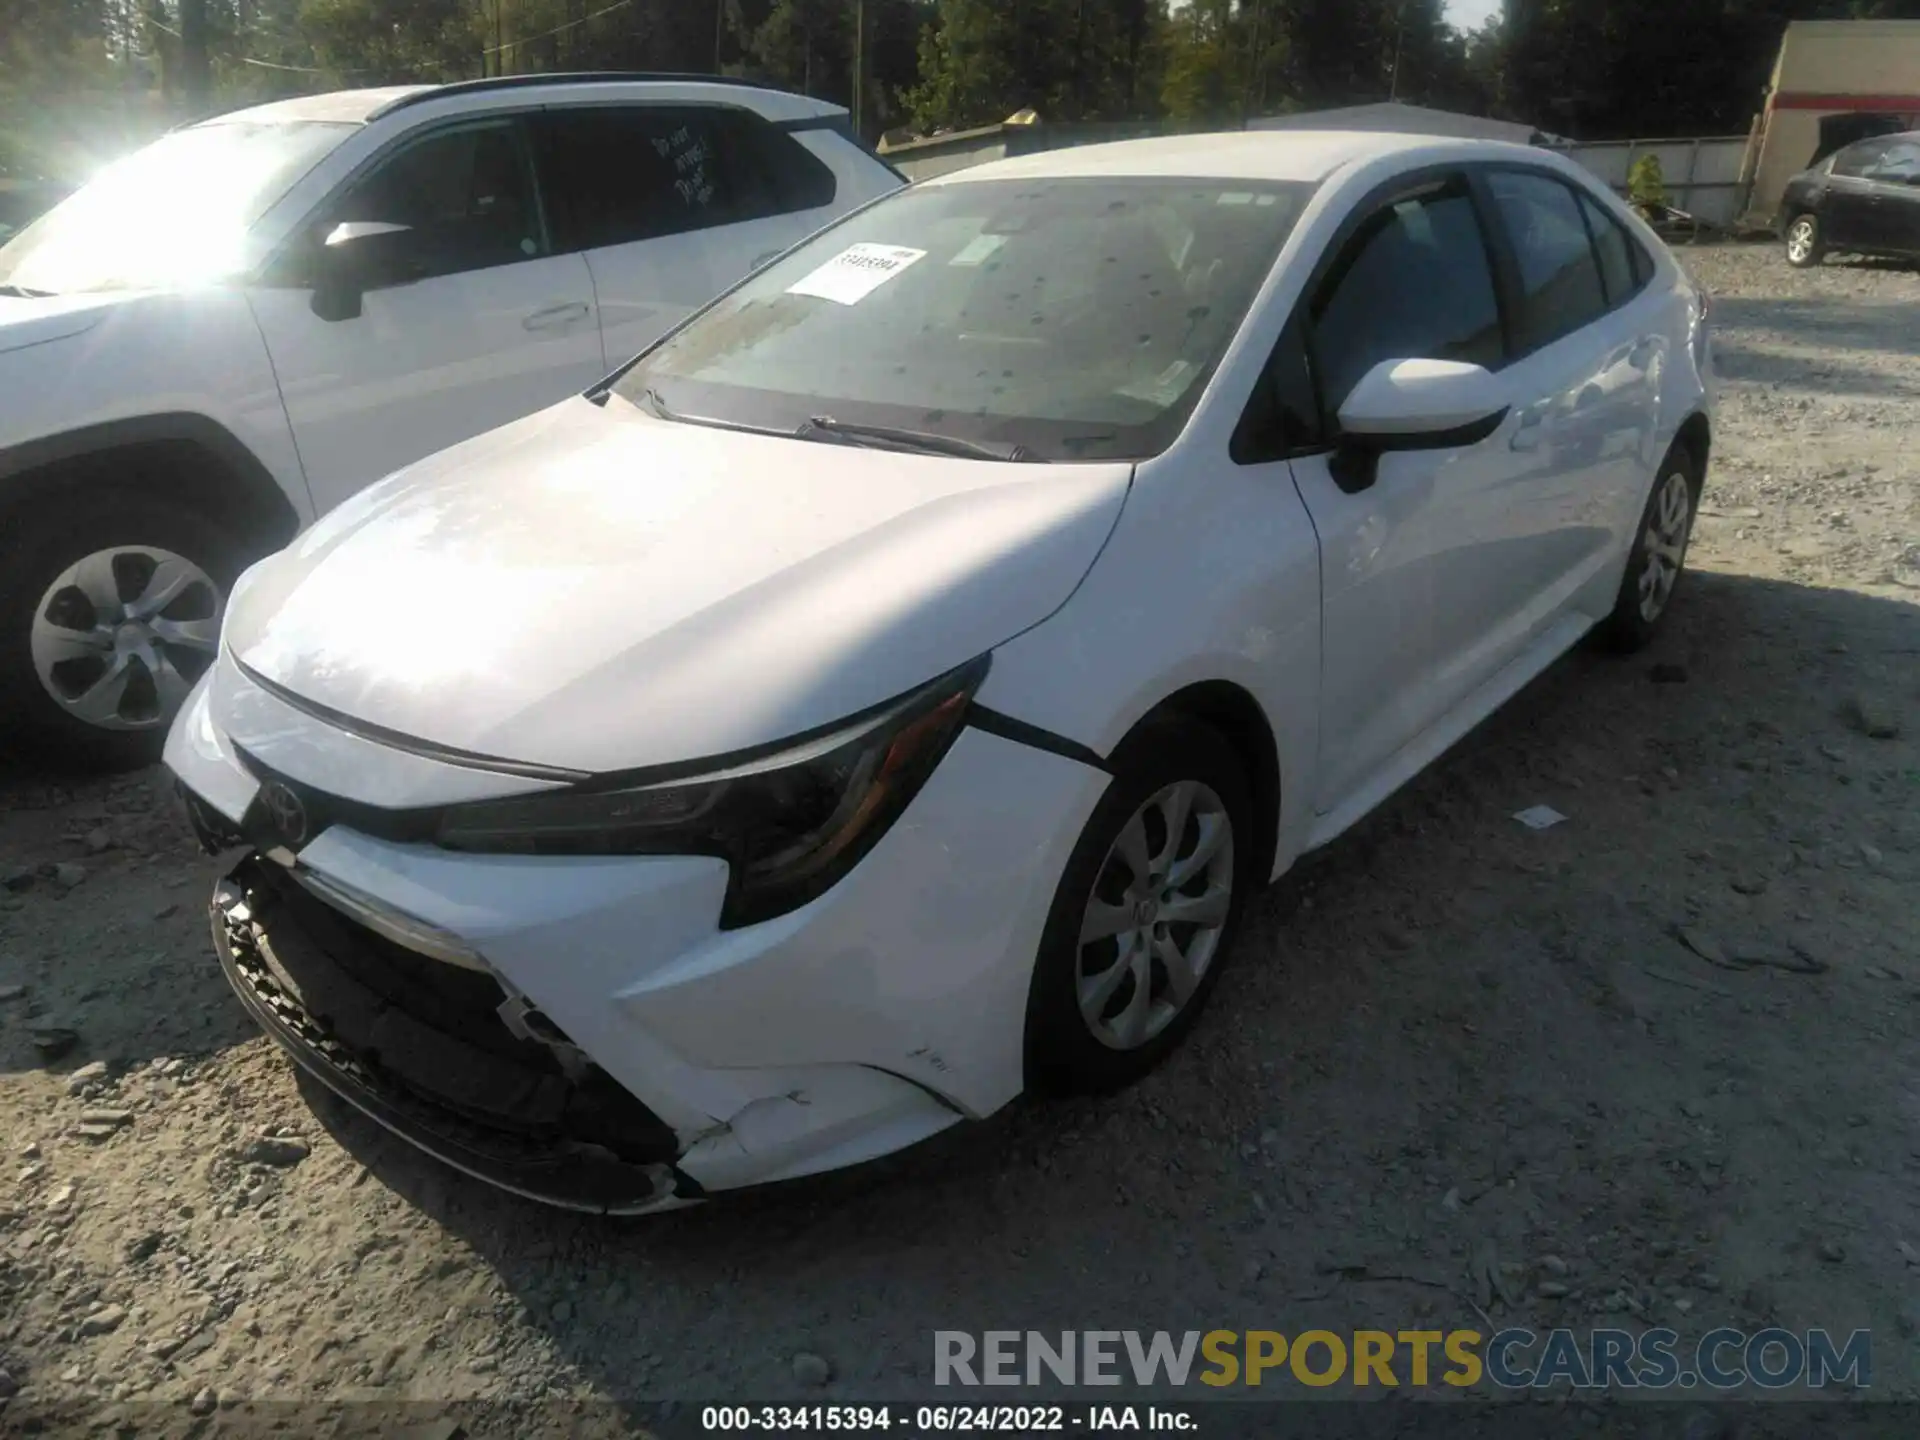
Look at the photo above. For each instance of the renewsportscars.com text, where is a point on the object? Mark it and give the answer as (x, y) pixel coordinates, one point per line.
(1603, 1358)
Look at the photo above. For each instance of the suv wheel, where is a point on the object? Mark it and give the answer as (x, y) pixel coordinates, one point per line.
(110, 610)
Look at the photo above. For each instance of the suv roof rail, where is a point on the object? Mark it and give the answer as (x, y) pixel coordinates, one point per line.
(578, 77)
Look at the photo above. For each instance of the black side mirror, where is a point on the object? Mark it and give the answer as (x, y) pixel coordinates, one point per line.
(357, 256)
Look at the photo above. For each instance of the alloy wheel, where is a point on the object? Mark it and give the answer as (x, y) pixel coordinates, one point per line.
(119, 638)
(1800, 240)
(1669, 523)
(1154, 922)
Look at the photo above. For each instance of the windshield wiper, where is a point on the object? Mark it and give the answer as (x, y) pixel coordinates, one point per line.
(649, 400)
(20, 292)
(924, 441)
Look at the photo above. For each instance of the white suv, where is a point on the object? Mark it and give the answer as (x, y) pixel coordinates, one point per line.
(228, 333)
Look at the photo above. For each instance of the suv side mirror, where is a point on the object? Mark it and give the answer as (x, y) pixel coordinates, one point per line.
(357, 256)
(1414, 405)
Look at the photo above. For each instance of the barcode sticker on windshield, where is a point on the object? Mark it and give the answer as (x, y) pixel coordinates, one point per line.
(1164, 389)
(978, 250)
(856, 272)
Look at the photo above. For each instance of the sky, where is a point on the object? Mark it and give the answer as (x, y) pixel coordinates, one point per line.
(1471, 14)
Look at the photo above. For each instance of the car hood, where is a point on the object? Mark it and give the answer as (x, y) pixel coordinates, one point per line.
(36, 319)
(595, 589)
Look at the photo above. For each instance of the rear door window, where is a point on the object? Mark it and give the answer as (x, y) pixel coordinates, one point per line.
(1899, 163)
(1560, 283)
(623, 173)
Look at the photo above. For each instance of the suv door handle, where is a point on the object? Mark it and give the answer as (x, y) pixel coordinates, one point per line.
(556, 315)
(765, 259)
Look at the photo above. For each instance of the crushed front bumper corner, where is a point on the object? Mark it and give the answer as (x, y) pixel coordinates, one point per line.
(498, 1110)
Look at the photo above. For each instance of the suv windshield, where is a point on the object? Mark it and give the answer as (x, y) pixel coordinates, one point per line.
(173, 213)
(1070, 318)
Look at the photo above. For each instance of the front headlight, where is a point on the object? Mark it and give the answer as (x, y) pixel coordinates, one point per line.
(789, 824)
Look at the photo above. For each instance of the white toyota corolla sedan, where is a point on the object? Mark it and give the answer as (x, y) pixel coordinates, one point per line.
(889, 691)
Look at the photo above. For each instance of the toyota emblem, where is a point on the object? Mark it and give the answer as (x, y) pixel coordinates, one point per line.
(287, 812)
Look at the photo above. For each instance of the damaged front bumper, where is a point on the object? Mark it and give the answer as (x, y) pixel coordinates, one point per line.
(426, 1049)
(875, 1016)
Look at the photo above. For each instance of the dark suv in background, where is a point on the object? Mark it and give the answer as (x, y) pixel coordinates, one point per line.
(1864, 199)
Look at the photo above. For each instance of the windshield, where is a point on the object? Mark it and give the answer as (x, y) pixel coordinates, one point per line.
(1075, 318)
(174, 213)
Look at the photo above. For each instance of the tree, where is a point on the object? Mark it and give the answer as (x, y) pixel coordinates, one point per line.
(1227, 59)
(968, 71)
(81, 80)
(1484, 69)
(63, 106)
(1221, 60)
(809, 46)
(981, 60)
(1339, 51)
(380, 42)
(1426, 58)
(1607, 69)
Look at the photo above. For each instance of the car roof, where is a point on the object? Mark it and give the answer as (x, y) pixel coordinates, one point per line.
(342, 106)
(1297, 155)
(360, 106)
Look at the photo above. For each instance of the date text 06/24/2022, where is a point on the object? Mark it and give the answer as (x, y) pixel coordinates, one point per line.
(935, 1419)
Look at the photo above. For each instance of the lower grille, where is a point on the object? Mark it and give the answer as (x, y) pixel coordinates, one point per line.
(417, 1045)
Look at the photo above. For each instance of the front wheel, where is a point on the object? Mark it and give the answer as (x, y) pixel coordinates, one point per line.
(1658, 556)
(1144, 913)
(1806, 243)
(110, 609)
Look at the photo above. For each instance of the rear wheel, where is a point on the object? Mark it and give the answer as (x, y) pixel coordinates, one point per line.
(1806, 243)
(1659, 555)
(1145, 911)
(110, 609)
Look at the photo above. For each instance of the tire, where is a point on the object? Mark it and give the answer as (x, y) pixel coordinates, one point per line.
(1161, 761)
(58, 632)
(1645, 596)
(1806, 241)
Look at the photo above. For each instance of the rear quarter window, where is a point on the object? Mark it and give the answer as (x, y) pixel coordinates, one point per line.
(1625, 266)
(1856, 161)
(1560, 282)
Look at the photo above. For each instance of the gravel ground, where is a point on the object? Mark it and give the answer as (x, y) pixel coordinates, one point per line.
(1458, 1062)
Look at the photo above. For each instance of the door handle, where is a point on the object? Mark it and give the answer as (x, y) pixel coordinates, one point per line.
(765, 259)
(555, 316)
(1526, 434)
